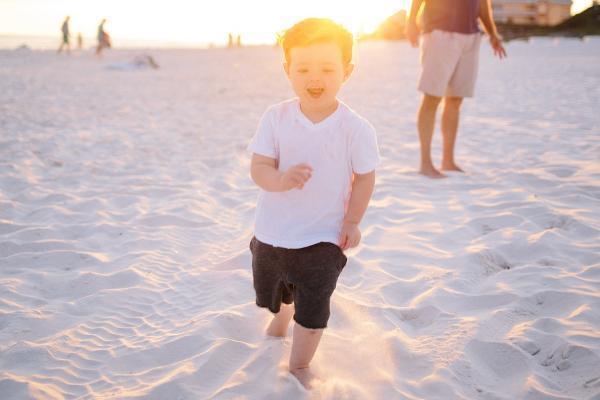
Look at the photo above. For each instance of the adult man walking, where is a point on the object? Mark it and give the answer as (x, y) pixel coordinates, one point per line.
(66, 35)
(449, 57)
(103, 38)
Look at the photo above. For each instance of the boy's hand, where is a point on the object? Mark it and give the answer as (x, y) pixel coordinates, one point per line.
(412, 32)
(295, 177)
(349, 236)
(496, 43)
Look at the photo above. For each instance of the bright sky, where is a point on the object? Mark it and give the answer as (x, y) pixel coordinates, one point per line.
(193, 21)
(188, 21)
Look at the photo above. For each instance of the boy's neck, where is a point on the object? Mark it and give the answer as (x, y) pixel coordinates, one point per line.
(318, 114)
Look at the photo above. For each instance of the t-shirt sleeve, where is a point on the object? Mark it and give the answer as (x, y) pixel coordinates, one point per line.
(364, 151)
(264, 142)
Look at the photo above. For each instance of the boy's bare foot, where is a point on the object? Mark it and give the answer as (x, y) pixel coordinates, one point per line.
(431, 172)
(451, 167)
(304, 345)
(275, 329)
(305, 377)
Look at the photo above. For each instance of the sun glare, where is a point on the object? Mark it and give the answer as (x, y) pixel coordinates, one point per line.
(259, 22)
(359, 17)
(193, 22)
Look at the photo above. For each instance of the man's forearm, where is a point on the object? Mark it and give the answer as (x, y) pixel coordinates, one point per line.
(414, 10)
(485, 14)
(362, 189)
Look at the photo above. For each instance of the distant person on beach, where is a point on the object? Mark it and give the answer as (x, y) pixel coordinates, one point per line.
(103, 38)
(449, 56)
(314, 160)
(79, 41)
(66, 36)
(238, 41)
(230, 40)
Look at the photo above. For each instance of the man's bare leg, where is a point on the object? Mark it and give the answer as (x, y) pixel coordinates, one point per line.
(450, 117)
(426, 125)
(304, 346)
(281, 320)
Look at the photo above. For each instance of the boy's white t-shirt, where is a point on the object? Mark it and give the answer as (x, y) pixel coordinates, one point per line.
(336, 147)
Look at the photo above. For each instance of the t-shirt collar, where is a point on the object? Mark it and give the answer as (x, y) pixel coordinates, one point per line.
(327, 122)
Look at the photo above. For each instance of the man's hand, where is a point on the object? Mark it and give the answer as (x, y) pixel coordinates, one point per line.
(349, 236)
(496, 43)
(412, 32)
(295, 177)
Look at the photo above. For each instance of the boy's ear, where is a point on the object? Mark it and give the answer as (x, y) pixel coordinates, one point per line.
(348, 71)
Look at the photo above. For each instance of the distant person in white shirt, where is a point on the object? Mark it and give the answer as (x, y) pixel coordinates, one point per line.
(66, 36)
(314, 160)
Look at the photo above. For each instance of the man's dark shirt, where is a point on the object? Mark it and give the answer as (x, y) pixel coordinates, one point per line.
(451, 16)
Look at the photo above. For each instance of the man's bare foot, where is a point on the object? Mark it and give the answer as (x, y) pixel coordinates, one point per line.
(451, 167)
(431, 172)
(305, 377)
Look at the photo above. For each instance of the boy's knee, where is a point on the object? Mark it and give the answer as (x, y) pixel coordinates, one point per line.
(309, 327)
(311, 331)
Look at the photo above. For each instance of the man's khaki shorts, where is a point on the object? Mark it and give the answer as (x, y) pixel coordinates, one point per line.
(449, 63)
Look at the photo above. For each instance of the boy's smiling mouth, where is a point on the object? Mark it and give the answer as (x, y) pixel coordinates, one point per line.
(315, 93)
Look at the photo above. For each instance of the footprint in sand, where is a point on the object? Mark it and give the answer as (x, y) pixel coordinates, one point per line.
(486, 225)
(420, 317)
(566, 355)
(492, 262)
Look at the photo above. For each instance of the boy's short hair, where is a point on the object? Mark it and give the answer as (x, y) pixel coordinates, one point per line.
(317, 30)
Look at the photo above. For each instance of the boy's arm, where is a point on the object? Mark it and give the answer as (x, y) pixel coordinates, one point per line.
(485, 14)
(412, 30)
(362, 189)
(265, 174)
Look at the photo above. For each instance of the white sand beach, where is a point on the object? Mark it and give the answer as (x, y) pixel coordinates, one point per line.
(126, 209)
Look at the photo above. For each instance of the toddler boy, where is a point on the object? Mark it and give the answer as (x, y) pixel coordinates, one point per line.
(314, 159)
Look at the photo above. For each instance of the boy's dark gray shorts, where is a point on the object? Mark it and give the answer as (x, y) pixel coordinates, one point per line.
(306, 277)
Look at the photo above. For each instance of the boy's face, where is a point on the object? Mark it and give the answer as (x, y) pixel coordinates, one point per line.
(317, 72)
